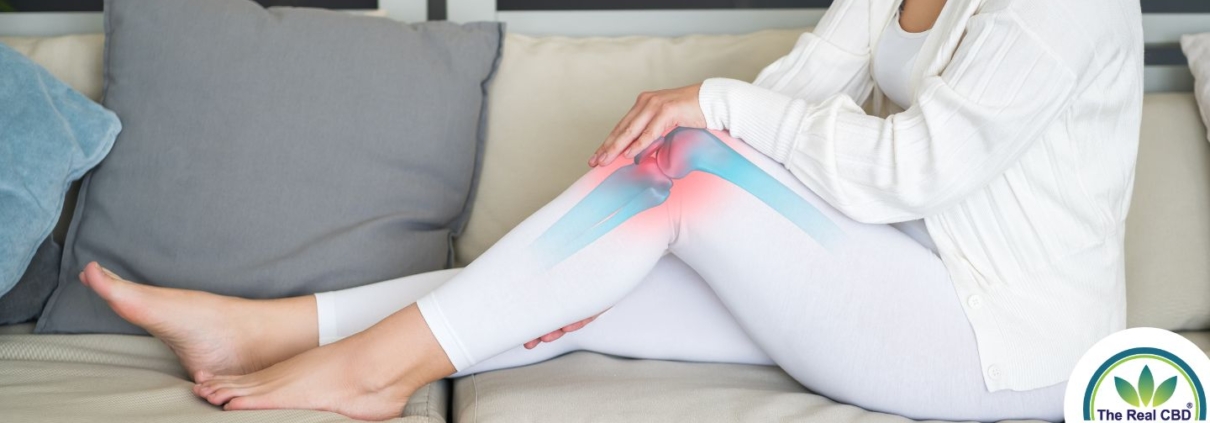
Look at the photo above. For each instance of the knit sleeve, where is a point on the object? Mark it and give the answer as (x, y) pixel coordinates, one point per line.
(1001, 91)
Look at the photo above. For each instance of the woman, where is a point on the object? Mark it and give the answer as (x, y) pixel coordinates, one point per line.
(951, 260)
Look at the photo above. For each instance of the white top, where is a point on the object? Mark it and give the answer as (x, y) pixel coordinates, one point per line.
(893, 61)
(1018, 152)
(892, 68)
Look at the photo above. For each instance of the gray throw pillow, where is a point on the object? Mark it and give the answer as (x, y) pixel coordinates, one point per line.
(275, 152)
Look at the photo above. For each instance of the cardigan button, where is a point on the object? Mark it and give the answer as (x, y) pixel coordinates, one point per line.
(974, 301)
(993, 371)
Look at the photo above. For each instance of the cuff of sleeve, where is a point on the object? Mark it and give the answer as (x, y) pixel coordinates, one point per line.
(749, 112)
(712, 98)
(439, 324)
(325, 311)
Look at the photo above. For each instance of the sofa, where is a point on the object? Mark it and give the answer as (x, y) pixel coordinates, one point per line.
(553, 100)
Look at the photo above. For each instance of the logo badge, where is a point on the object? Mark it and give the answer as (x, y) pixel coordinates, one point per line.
(1139, 374)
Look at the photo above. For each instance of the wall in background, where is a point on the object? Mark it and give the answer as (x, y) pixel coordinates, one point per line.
(657, 4)
(95, 5)
(1164, 22)
(40, 18)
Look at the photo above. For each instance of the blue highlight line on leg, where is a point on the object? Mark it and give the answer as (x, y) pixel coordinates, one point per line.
(627, 192)
(647, 183)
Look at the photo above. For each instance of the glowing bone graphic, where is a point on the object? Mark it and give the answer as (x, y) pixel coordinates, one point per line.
(647, 183)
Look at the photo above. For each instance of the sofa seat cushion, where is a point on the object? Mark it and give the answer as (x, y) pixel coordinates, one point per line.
(121, 378)
(653, 391)
(645, 391)
(1201, 339)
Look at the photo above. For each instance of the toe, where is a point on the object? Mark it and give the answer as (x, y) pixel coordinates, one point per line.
(94, 278)
(108, 285)
(201, 376)
(223, 395)
(254, 402)
(205, 389)
(231, 381)
(210, 385)
(226, 382)
(111, 275)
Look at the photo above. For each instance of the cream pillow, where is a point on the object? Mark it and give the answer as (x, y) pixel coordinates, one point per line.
(74, 59)
(1197, 49)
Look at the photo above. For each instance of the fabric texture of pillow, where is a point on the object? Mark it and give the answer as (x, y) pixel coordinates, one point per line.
(1197, 50)
(50, 135)
(75, 60)
(275, 152)
(24, 302)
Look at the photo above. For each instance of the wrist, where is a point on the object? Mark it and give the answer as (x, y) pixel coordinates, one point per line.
(712, 99)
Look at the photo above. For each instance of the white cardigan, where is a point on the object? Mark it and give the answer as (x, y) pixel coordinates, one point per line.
(1018, 152)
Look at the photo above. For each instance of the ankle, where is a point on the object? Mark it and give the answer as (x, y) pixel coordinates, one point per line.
(403, 352)
(278, 329)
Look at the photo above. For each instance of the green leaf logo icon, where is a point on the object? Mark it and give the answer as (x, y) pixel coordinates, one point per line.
(1146, 386)
(1126, 391)
(1146, 394)
(1164, 391)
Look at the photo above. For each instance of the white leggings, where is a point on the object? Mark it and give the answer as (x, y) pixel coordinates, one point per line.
(871, 319)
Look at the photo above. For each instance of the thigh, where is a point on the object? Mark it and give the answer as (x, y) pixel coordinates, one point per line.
(868, 317)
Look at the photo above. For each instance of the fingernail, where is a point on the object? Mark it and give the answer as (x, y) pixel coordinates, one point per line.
(107, 272)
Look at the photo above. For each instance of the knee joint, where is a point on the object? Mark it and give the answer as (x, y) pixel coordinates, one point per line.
(685, 150)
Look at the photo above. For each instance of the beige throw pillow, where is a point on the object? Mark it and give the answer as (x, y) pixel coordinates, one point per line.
(1197, 49)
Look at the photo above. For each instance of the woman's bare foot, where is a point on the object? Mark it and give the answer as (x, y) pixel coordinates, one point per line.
(368, 376)
(211, 334)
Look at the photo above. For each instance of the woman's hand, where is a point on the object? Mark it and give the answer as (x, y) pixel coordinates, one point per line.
(558, 333)
(654, 114)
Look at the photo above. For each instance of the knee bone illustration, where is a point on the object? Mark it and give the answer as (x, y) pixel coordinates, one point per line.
(648, 182)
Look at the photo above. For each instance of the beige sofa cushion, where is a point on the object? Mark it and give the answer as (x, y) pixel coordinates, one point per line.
(74, 59)
(1168, 228)
(555, 99)
(653, 391)
(1197, 48)
(118, 378)
(645, 391)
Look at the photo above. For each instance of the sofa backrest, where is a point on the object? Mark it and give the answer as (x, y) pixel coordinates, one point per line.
(1168, 228)
(554, 99)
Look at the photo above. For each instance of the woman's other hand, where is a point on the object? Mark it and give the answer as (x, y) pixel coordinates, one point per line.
(558, 333)
(654, 114)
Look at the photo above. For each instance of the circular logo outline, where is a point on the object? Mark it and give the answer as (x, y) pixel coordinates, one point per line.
(1102, 371)
(1141, 346)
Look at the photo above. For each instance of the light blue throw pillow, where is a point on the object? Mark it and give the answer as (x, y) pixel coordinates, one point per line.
(50, 135)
